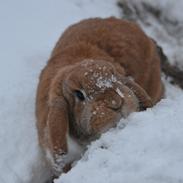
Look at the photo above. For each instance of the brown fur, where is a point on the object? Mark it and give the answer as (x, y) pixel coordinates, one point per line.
(122, 50)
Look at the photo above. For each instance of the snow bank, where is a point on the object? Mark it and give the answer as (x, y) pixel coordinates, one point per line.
(148, 149)
(170, 9)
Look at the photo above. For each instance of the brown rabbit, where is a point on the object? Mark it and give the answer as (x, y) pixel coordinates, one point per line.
(101, 70)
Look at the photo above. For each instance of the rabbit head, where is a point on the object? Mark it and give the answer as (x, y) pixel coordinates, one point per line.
(97, 96)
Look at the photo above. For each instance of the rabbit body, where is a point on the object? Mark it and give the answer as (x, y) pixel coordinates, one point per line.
(99, 71)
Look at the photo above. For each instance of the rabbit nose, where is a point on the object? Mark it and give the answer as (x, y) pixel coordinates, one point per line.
(115, 104)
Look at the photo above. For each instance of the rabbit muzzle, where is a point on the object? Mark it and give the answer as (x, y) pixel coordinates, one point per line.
(104, 112)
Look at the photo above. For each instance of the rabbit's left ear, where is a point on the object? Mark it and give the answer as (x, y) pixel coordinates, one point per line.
(144, 99)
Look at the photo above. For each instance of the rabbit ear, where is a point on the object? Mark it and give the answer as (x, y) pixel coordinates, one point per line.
(57, 122)
(144, 99)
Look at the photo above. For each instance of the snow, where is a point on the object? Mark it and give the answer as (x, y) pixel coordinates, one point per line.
(148, 149)
(105, 82)
(75, 150)
(170, 9)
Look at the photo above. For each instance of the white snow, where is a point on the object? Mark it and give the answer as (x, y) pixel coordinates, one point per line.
(75, 150)
(148, 150)
(170, 9)
(103, 82)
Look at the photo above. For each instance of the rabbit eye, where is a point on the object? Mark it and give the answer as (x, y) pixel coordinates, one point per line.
(79, 95)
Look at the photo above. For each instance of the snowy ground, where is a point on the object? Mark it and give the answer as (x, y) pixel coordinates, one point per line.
(149, 149)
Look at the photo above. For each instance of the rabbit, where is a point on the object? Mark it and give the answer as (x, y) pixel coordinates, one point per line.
(100, 71)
